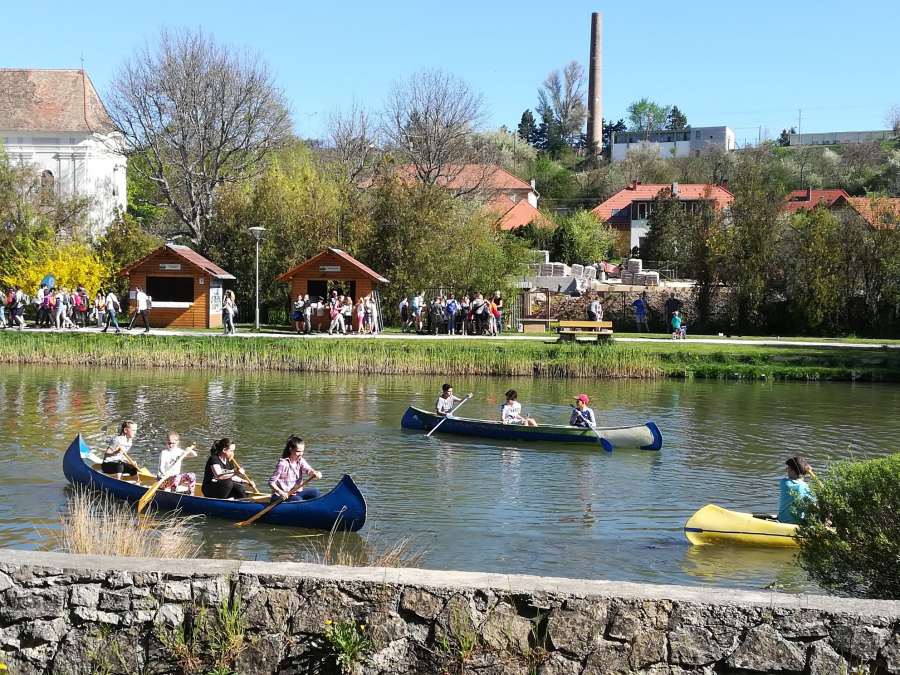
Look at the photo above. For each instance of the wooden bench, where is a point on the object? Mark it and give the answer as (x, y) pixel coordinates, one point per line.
(572, 330)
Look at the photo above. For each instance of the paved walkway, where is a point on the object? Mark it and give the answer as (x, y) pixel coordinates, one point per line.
(622, 337)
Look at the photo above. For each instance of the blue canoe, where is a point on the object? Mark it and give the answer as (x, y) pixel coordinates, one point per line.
(644, 436)
(343, 508)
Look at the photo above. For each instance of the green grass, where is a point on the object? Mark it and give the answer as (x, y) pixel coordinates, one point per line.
(537, 358)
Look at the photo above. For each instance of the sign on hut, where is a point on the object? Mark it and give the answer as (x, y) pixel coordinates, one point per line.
(333, 270)
(184, 287)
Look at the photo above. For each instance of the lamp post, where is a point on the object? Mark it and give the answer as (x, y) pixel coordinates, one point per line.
(257, 233)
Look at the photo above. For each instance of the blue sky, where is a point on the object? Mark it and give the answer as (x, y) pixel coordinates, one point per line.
(741, 64)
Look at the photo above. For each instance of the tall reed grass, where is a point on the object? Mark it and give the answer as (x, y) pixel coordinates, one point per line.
(96, 523)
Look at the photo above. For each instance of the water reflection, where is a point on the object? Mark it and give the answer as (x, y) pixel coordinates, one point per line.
(500, 506)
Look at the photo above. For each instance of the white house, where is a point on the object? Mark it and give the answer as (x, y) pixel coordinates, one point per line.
(690, 142)
(54, 121)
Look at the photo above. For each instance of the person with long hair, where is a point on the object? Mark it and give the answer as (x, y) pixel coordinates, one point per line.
(292, 470)
(220, 477)
(115, 460)
(229, 309)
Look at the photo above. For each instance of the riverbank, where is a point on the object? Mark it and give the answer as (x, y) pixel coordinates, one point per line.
(423, 356)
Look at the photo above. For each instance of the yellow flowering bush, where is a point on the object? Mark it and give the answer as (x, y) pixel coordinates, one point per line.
(72, 263)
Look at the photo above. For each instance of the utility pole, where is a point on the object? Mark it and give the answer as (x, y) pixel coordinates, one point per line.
(800, 126)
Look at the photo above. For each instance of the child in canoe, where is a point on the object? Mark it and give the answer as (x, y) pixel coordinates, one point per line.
(793, 489)
(292, 470)
(170, 465)
(444, 405)
(511, 411)
(582, 416)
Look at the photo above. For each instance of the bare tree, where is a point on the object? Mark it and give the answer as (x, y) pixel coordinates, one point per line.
(196, 115)
(350, 131)
(892, 118)
(431, 118)
(563, 94)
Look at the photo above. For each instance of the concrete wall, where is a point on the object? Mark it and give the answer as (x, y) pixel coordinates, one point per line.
(85, 614)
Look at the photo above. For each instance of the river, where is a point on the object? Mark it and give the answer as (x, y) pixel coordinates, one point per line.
(474, 505)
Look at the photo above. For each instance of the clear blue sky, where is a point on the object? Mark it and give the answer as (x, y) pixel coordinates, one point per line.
(742, 64)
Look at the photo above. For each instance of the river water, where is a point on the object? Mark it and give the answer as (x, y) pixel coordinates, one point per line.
(545, 509)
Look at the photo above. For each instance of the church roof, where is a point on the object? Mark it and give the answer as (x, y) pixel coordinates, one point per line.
(51, 100)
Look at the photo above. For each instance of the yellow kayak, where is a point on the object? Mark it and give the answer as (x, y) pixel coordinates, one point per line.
(715, 525)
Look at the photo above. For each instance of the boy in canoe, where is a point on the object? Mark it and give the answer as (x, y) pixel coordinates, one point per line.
(170, 465)
(793, 489)
(582, 416)
(444, 405)
(511, 411)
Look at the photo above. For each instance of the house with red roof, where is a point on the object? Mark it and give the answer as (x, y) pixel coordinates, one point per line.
(513, 200)
(55, 122)
(878, 212)
(834, 200)
(628, 210)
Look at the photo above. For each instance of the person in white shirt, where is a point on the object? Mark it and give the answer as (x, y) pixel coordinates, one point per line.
(170, 465)
(511, 411)
(444, 405)
(141, 307)
(112, 306)
(115, 460)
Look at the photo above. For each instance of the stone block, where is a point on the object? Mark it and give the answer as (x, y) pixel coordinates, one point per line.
(85, 595)
(890, 654)
(626, 621)
(179, 591)
(420, 602)
(765, 651)
(5, 581)
(22, 604)
(823, 660)
(504, 630)
(171, 614)
(573, 632)
(558, 664)
(860, 641)
(801, 624)
(114, 601)
(609, 657)
(210, 592)
(646, 649)
(699, 646)
(40, 631)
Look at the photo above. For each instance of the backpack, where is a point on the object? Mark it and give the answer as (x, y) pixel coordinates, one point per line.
(26, 300)
(149, 303)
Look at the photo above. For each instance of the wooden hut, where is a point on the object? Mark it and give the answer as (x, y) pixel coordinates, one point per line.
(332, 270)
(184, 287)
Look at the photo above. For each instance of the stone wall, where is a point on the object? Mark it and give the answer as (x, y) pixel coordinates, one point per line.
(83, 614)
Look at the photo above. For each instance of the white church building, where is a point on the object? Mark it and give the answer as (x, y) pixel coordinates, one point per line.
(55, 121)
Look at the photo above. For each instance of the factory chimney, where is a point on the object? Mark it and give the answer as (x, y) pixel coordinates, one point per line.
(595, 87)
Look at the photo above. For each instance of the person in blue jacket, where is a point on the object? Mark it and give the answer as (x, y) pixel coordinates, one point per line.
(793, 489)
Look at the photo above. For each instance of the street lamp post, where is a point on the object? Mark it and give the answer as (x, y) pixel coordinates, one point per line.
(257, 233)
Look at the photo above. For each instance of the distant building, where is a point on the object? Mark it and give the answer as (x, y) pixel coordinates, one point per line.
(878, 212)
(510, 197)
(54, 121)
(834, 200)
(690, 142)
(628, 210)
(838, 137)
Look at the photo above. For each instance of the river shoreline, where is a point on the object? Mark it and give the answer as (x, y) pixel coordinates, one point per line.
(501, 357)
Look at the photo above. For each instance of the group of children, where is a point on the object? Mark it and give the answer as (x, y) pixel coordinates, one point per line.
(223, 478)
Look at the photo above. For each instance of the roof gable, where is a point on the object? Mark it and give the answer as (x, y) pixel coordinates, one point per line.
(51, 100)
(639, 192)
(332, 253)
(807, 199)
(187, 255)
(880, 212)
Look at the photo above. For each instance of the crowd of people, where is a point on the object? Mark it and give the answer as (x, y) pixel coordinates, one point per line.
(447, 315)
(342, 313)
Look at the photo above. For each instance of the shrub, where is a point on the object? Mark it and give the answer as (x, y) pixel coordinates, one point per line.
(858, 554)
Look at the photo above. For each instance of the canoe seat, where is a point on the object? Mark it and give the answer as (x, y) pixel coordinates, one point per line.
(766, 516)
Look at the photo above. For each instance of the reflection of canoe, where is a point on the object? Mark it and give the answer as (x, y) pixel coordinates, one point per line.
(344, 504)
(645, 436)
(715, 525)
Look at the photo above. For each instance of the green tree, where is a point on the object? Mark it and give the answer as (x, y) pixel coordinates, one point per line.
(666, 227)
(647, 115)
(580, 239)
(550, 138)
(676, 119)
(527, 127)
(610, 128)
(784, 139)
(562, 95)
(123, 243)
(850, 537)
(535, 237)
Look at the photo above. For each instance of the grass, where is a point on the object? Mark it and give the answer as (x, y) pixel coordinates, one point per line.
(529, 358)
(96, 523)
(374, 550)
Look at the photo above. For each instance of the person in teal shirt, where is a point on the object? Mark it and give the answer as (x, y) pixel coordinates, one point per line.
(793, 489)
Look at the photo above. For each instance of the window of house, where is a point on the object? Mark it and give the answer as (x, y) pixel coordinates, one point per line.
(698, 135)
(643, 211)
(170, 289)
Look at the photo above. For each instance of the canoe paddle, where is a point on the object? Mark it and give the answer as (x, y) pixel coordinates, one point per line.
(141, 472)
(815, 477)
(445, 418)
(605, 443)
(148, 495)
(274, 504)
(244, 474)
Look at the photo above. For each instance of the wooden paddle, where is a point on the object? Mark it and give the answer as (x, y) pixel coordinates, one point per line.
(244, 474)
(815, 477)
(274, 504)
(445, 418)
(603, 442)
(148, 495)
(141, 471)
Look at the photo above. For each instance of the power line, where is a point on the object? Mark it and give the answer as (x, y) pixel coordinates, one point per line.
(791, 110)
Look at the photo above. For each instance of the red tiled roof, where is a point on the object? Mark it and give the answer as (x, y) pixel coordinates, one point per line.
(514, 215)
(690, 191)
(186, 254)
(807, 199)
(51, 100)
(879, 212)
(466, 176)
(340, 254)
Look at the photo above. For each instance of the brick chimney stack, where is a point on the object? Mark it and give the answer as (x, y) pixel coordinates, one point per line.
(595, 87)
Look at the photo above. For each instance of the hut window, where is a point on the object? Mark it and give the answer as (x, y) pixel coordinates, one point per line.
(171, 289)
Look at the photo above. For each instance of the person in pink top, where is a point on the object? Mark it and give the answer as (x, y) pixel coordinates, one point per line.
(291, 471)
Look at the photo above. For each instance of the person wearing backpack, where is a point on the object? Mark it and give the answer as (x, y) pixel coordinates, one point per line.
(20, 300)
(39, 306)
(112, 306)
